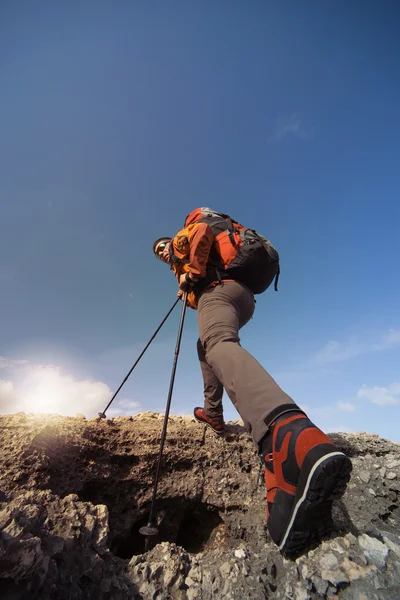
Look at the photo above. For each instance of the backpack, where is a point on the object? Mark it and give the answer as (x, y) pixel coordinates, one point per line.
(238, 252)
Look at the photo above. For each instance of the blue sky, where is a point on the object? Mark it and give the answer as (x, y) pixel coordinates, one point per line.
(117, 119)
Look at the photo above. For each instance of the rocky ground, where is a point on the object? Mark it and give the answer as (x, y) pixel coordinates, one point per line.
(74, 494)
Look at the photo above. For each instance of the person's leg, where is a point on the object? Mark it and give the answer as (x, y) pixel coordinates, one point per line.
(304, 471)
(212, 413)
(213, 388)
(222, 311)
(304, 474)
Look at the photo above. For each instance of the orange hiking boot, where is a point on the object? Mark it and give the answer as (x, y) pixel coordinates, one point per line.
(216, 423)
(304, 473)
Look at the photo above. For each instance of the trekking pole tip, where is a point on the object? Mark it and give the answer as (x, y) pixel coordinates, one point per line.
(101, 416)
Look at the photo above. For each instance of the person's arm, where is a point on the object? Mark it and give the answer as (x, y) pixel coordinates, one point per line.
(201, 238)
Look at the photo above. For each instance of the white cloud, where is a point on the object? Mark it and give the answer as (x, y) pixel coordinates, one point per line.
(123, 407)
(383, 396)
(339, 429)
(7, 394)
(335, 351)
(46, 389)
(6, 388)
(9, 363)
(346, 406)
(289, 126)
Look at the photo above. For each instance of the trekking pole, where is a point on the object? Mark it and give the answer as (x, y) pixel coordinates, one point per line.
(102, 415)
(150, 530)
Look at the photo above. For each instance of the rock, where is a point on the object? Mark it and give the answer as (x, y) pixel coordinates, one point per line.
(391, 475)
(301, 592)
(75, 492)
(375, 551)
(194, 594)
(105, 585)
(395, 548)
(365, 476)
(329, 561)
(226, 569)
(321, 585)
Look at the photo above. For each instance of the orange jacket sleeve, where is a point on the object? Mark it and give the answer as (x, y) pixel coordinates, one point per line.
(201, 238)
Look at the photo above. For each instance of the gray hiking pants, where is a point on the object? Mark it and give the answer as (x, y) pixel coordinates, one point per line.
(222, 311)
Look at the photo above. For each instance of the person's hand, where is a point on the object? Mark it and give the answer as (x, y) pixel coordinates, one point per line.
(186, 282)
(184, 285)
(180, 295)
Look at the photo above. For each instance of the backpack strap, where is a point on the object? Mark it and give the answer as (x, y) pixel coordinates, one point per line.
(226, 219)
(230, 230)
(174, 259)
(277, 279)
(218, 274)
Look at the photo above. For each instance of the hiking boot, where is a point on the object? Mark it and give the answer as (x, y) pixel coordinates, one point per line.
(216, 423)
(304, 473)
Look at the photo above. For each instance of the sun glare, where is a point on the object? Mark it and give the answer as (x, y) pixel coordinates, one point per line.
(44, 389)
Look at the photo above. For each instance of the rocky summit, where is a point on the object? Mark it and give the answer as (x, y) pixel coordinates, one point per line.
(75, 492)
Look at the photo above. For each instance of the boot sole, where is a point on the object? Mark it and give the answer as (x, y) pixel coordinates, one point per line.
(311, 518)
(208, 425)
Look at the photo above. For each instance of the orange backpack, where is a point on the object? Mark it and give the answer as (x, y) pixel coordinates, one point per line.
(238, 253)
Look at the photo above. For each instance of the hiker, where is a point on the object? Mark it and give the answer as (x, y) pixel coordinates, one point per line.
(221, 264)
